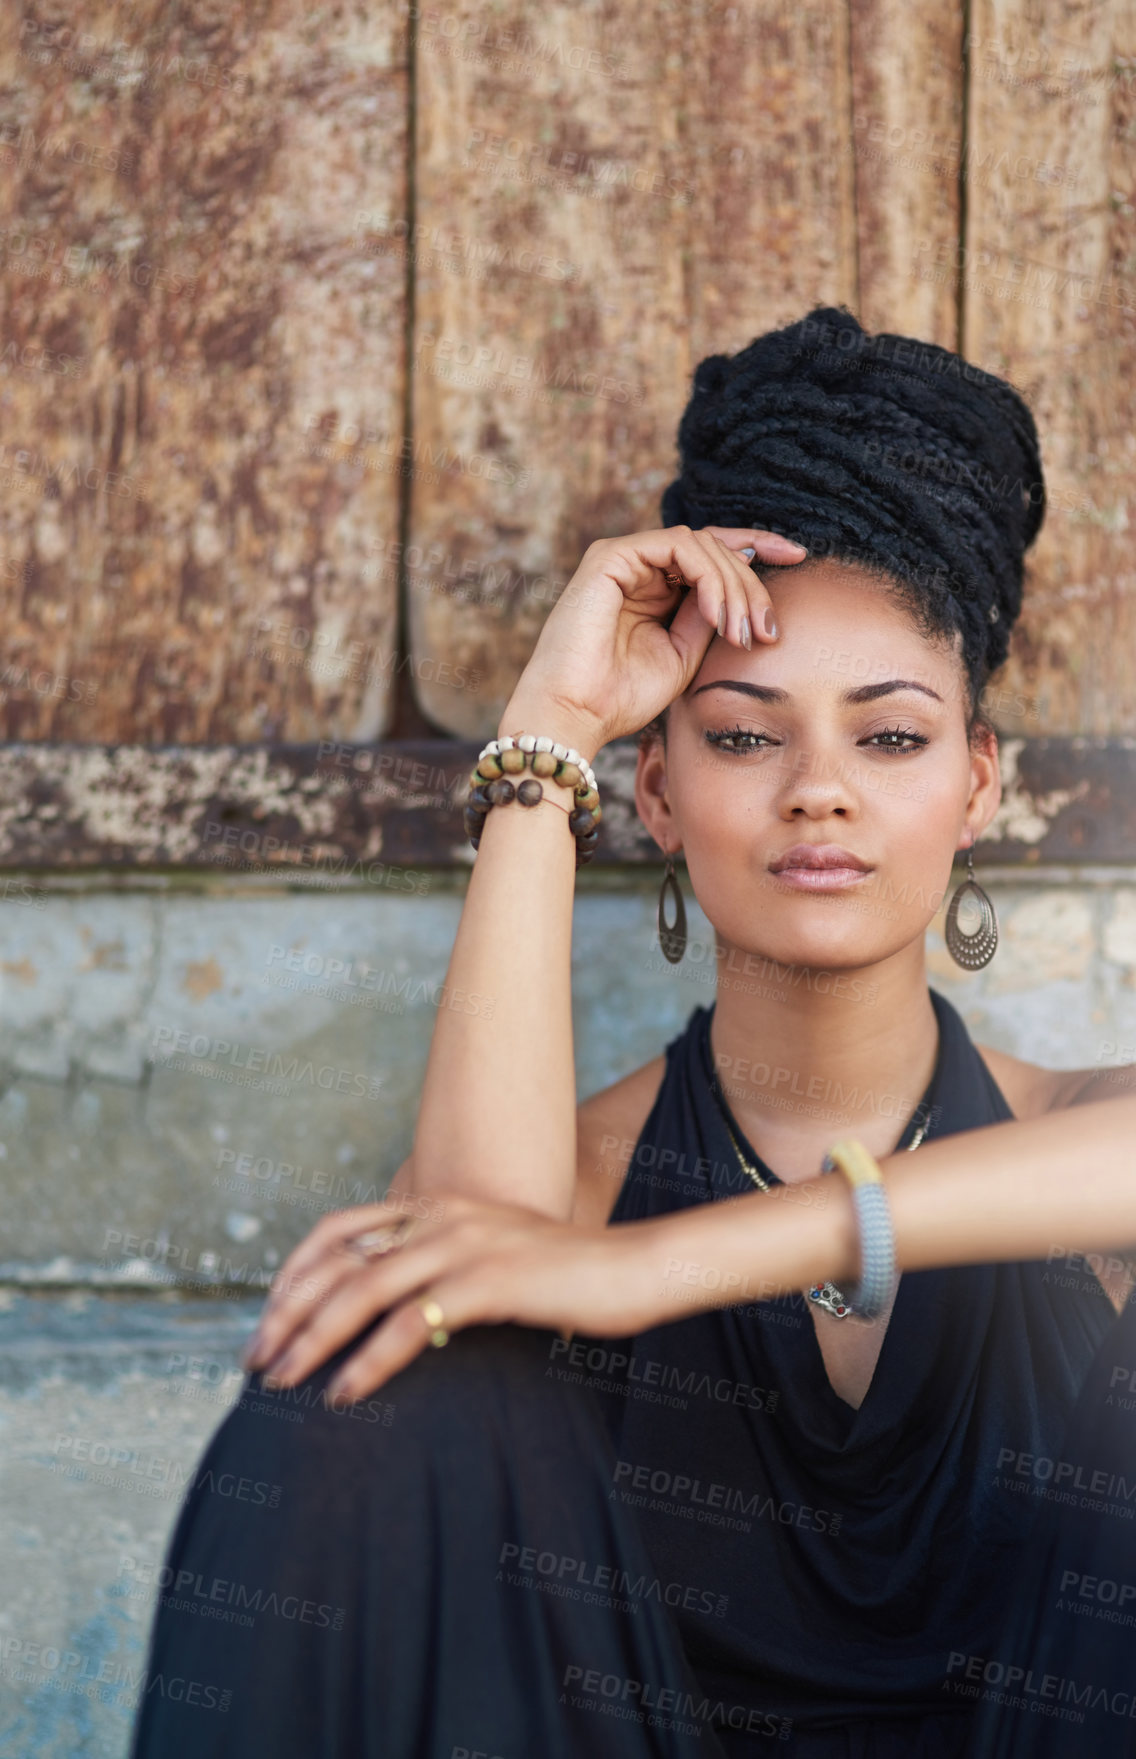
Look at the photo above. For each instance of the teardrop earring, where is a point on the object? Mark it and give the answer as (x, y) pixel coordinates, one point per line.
(972, 951)
(672, 936)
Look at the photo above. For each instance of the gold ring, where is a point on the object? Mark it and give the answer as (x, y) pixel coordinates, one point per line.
(436, 1320)
(377, 1242)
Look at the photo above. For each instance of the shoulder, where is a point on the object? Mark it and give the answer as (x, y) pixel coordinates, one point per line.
(1031, 1091)
(608, 1125)
(610, 1122)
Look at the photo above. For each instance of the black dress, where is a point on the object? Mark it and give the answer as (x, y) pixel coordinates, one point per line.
(673, 1545)
(1060, 1682)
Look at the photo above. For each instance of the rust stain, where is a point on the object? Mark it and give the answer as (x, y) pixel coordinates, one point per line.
(203, 978)
(21, 968)
(104, 955)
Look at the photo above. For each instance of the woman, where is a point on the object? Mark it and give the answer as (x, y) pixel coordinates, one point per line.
(652, 1497)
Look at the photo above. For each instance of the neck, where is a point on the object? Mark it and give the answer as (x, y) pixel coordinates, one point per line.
(820, 1054)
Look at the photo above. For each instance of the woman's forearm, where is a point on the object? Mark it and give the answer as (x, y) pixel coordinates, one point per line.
(1047, 1187)
(498, 1112)
(496, 1124)
(497, 1118)
(1065, 1182)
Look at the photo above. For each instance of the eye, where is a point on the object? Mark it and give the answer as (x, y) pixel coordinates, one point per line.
(737, 739)
(896, 739)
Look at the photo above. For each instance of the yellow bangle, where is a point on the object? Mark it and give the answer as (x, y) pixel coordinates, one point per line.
(853, 1160)
(873, 1216)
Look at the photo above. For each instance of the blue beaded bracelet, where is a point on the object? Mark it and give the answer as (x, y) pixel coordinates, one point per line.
(873, 1216)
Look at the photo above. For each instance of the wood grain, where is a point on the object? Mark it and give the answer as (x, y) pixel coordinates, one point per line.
(1050, 302)
(206, 243)
(907, 115)
(659, 184)
(191, 319)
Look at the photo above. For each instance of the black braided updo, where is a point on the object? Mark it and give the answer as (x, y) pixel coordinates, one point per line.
(880, 450)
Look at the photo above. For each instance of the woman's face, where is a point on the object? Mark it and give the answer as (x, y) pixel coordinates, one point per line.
(848, 734)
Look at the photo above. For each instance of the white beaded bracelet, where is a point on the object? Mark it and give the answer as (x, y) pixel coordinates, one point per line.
(539, 742)
(546, 757)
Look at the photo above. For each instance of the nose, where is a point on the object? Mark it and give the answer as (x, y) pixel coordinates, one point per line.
(817, 785)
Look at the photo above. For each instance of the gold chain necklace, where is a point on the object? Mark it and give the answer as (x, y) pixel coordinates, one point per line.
(825, 1294)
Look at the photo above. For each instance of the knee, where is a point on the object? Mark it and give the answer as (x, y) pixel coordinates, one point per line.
(489, 1396)
(506, 1355)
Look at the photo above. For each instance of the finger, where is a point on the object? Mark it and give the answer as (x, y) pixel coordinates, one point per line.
(754, 547)
(339, 1225)
(362, 1295)
(350, 1307)
(734, 625)
(728, 591)
(737, 610)
(703, 563)
(464, 1300)
(769, 546)
(762, 616)
(295, 1303)
(690, 637)
(757, 606)
(316, 1265)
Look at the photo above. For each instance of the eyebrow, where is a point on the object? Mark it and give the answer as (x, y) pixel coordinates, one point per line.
(862, 693)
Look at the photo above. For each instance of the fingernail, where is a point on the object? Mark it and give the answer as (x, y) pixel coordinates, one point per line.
(270, 1382)
(277, 1369)
(792, 544)
(747, 637)
(339, 1387)
(769, 625)
(748, 552)
(722, 618)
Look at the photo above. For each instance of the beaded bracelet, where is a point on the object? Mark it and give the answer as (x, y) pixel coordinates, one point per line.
(489, 786)
(873, 1216)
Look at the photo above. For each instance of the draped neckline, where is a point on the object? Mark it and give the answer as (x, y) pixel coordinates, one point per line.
(925, 1105)
(814, 1363)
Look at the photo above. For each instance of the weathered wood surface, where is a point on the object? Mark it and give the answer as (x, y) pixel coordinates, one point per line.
(907, 144)
(193, 325)
(334, 813)
(656, 184)
(204, 455)
(1049, 297)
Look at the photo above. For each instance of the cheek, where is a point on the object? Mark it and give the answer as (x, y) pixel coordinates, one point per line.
(916, 804)
(939, 791)
(721, 816)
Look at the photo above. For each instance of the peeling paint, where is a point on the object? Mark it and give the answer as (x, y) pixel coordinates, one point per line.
(1026, 817)
(293, 809)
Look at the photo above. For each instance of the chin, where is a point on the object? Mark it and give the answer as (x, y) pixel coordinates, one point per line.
(816, 936)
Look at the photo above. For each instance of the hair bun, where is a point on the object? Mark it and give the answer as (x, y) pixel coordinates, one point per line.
(711, 374)
(880, 449)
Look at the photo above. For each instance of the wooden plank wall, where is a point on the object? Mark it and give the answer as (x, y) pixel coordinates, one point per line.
(683, 171)
(1049, 300)
(202, 368)
(226, 478)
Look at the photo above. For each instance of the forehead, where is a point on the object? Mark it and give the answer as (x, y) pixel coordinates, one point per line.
(839, 624)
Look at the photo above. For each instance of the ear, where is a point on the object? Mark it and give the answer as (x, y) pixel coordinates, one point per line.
(985, 785)
(651, 801)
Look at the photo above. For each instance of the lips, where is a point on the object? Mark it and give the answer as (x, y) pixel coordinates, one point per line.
(818, 858)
